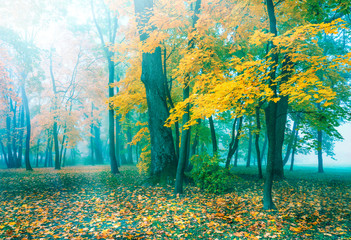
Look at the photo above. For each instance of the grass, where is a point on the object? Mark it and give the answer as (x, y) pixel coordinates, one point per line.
(90, 203)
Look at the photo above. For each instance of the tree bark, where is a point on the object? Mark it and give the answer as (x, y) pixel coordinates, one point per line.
(213, 136)
(10, 157)
(248, 161)
(163, 161)
(294, 150)
(28, 127)
(20, 137)
(320, 151)
(169, 97)
(55, 128)
(234, 144)
(271, 114)
(291, 142)
(129, 139)
(264, 147)
(111, 75)
(111, 115)
(257, 141)
(185, 140)
(98, 144)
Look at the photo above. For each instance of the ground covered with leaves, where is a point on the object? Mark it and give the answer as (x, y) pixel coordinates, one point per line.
(90, 203)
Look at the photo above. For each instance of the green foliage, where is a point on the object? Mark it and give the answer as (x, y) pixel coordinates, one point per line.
(209, 175)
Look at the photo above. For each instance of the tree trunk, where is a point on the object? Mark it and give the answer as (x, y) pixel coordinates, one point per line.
(257, 141)
(163, 161)
(118, 141)
(38, 153)
(55, 129)
(213, 136)
(4, 154)
(50, 153)
(28, 126)
(294, 150)
(169, 97)
(248, 161)
(112, 27)
(236, 156)
(10, 157)
(196, 139)
(111, 125)
(264, 147)
(185, 140)
(129, 140)
(320, 152)
(234, 144)
(291, 142)
(14, 136)
(98, 144)
(20, 138)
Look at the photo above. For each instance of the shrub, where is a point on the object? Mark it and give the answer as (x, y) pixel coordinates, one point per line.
(209, 176)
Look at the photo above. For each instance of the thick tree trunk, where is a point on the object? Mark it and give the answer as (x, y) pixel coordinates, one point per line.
(257, 143)
(163, 161)
(271, 129)
(320, 151)
(264, 148)
(213, 136)
(281, 117)
(28, 127)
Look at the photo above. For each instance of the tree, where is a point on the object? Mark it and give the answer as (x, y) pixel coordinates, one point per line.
(163, 161)
(112, 33)
(185, 139)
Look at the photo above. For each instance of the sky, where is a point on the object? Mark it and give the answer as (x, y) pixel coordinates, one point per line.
(342, 152)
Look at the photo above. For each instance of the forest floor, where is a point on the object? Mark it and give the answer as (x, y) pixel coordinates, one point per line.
(90, 203)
